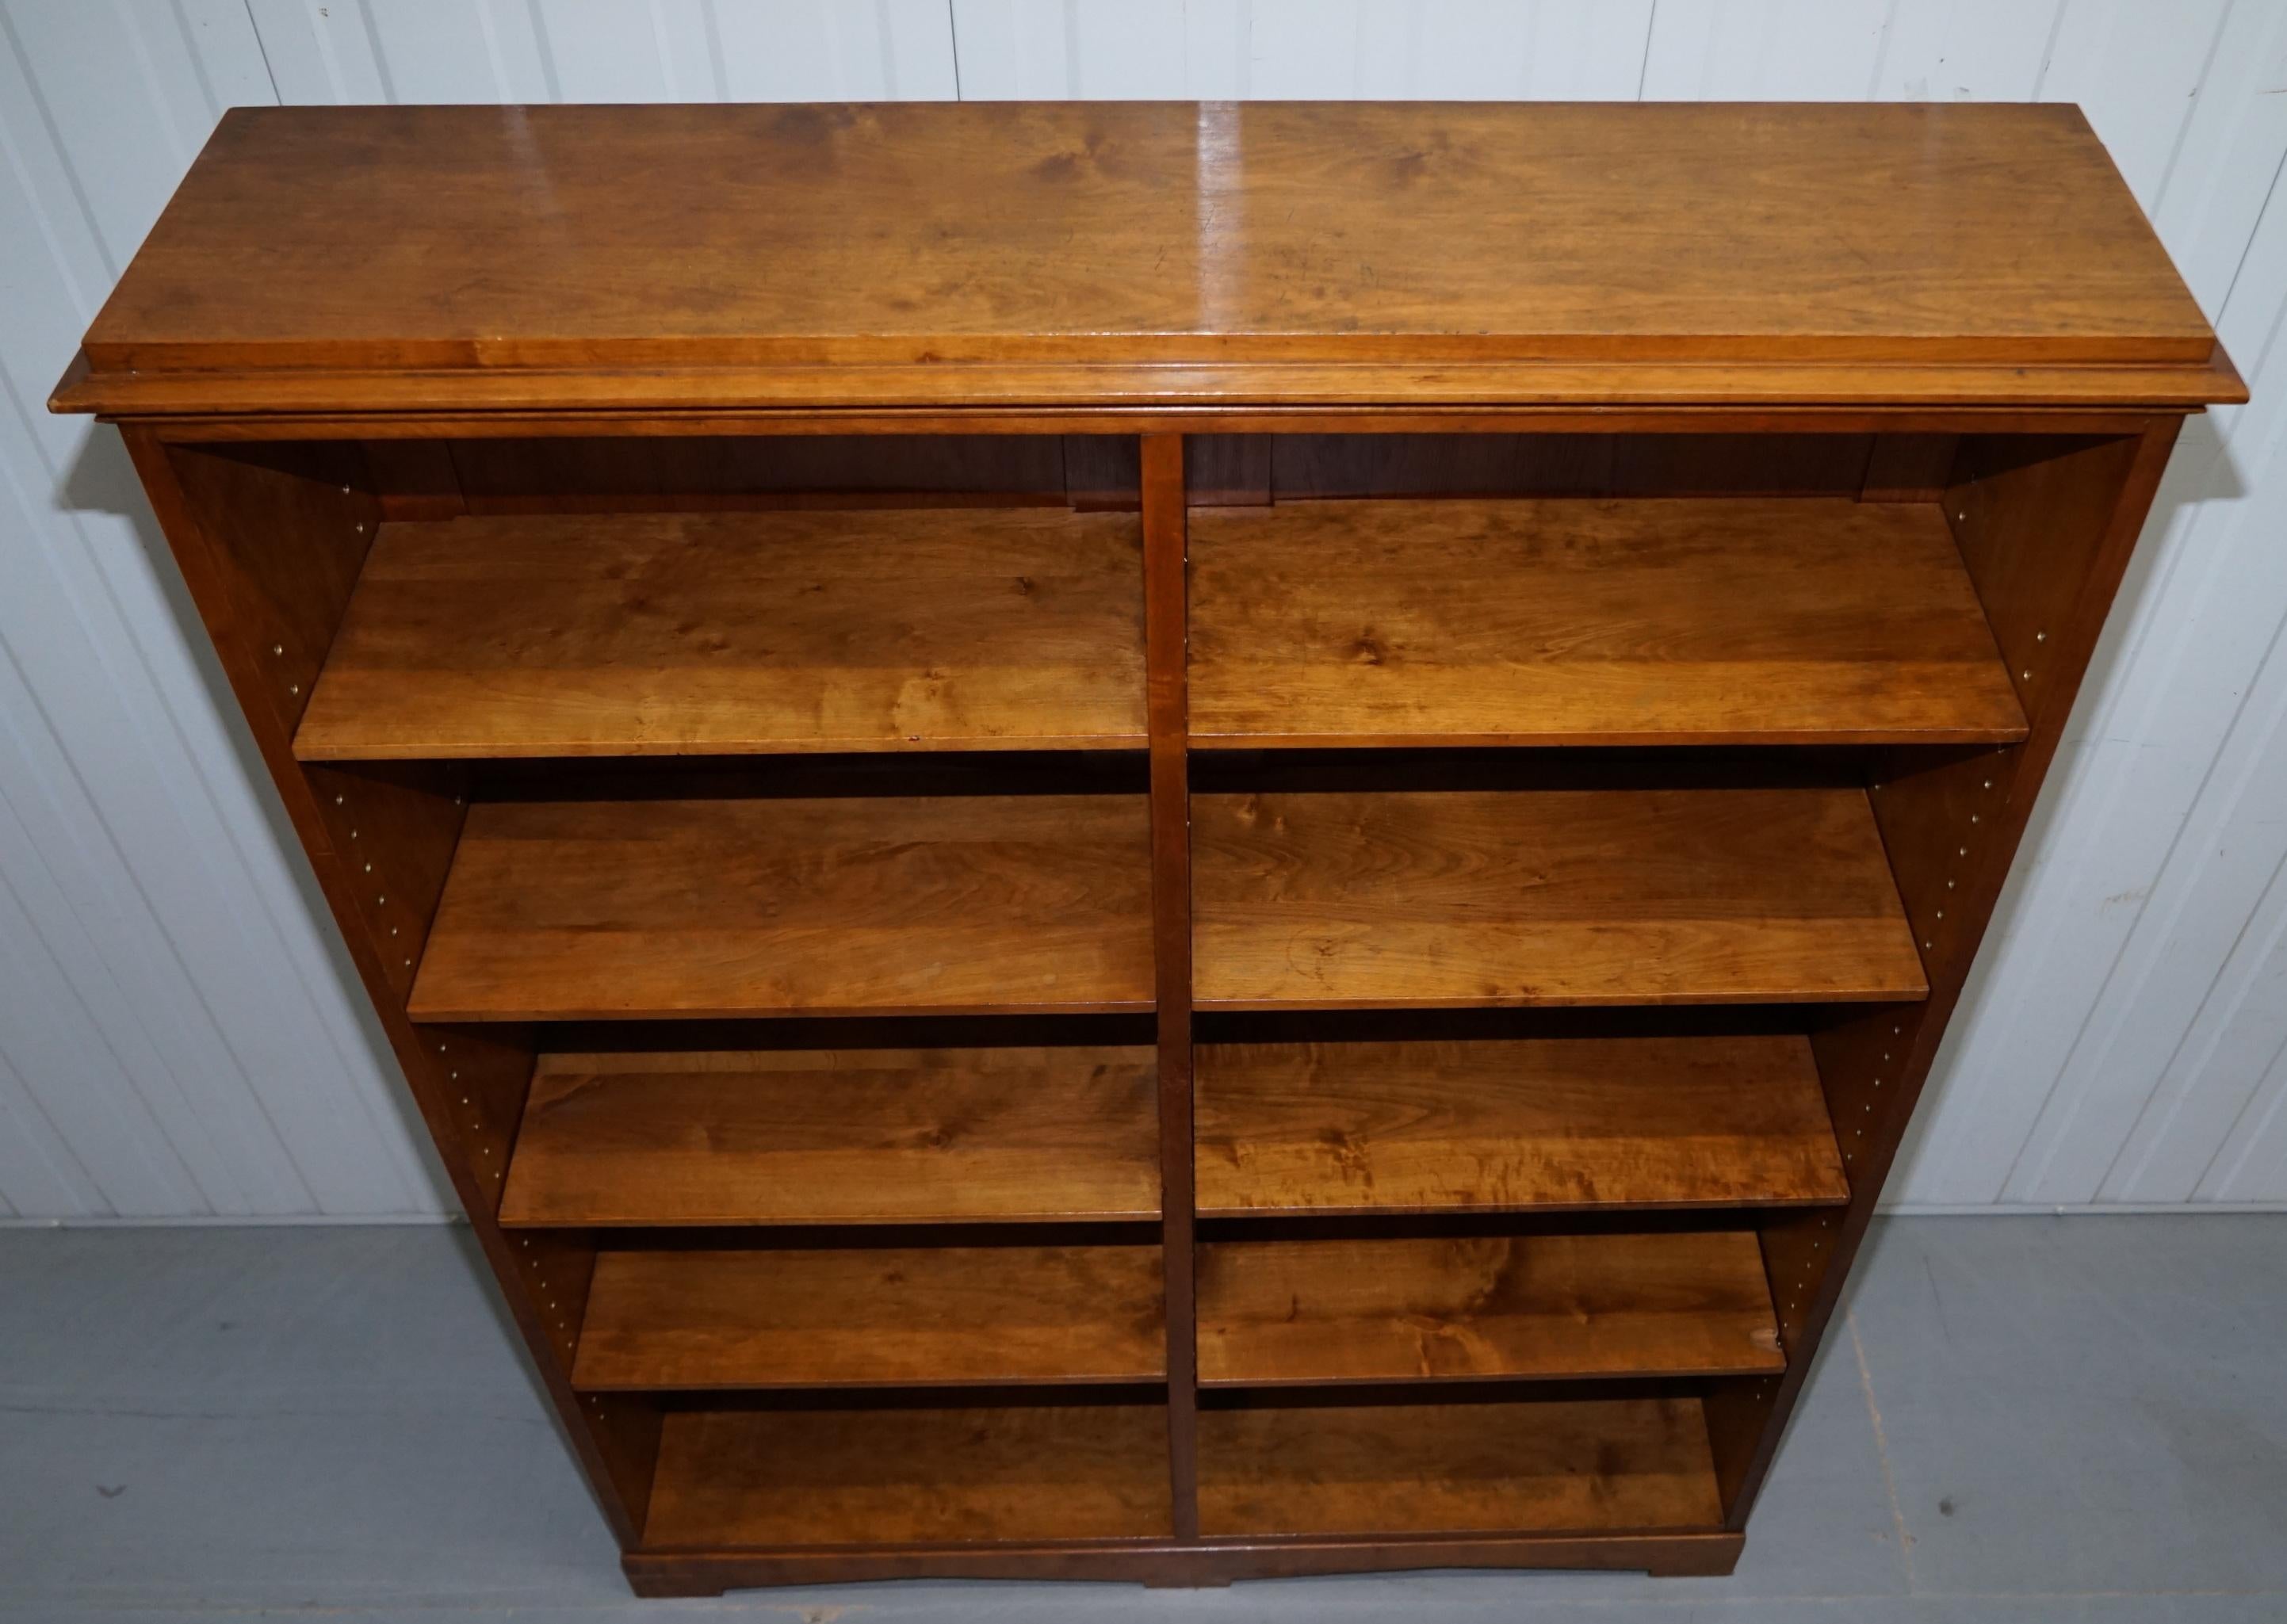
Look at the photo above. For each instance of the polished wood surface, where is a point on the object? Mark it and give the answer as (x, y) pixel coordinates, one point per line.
(890, 1316)
(1455, 898)
(1300, 1313)
(880, 1476)
(808, 1136)
(472, 243)
(1715, 620)
(763, 320)
(1421, 1469)
(1162, 469)
(1513, 1124)
(1706, 1553)
(572, 635)
(597, 910)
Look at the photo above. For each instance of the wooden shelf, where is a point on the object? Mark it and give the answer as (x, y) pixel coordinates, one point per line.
(982, 904)
(1459, 898)
(866, 1476)
(1513, 1124)
(1300, 1313)
(670, 633)
(871, 1317)
(1728, 620)
(1421, 1469)
(837, 1137)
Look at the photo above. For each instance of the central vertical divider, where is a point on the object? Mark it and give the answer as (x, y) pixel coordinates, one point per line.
(1165, 639)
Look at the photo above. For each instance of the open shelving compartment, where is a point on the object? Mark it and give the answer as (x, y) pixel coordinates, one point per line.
(1163, 1005)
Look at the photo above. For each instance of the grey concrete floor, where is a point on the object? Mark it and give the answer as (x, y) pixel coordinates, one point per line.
(2039, 1419)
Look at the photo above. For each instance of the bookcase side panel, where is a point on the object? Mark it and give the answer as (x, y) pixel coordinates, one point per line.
(269, 539)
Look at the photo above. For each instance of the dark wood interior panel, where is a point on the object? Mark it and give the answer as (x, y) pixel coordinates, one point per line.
(1305, 466)
(395, 827)
(1228, 470)
(602, 909)
(1513, 1124)
(1103, 472)
(415, 480)
(286, 528)
(665, 472)
(889, 1476)
(871, 1317)
(1428, 1309)
(1425, 1469)
(837, 1136)
(1910, 467)
(1544, 897)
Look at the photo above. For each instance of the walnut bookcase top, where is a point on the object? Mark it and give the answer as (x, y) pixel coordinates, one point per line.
(1144, 255)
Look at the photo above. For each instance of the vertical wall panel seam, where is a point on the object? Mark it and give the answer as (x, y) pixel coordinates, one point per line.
(2271, 1090)
(548, 74)
(2270, 197)
(717, 61)
(97, 1030)
(139, 46)
(388, 80)
(63, 164)
(262, 45)
(1881, 53)
(110, 841)
(19, 1096)
(2191, 106)
(2049, 51)
(2221, 1030)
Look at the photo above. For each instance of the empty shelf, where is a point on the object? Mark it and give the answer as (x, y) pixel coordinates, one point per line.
(1589, 621)
(887, 1477)
(980, 904)
(845, 1136)
(1296, 1312)
(1485, 898)
(1539, 1466)
(860, 1317)
(568, 634)
(1512, 1124)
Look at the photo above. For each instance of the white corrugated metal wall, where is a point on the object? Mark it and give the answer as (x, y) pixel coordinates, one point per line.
(176, 1038)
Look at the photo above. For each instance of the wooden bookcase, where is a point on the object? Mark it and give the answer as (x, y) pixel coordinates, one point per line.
(1171, 842)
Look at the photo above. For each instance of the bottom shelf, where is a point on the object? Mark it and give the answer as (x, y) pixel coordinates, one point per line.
(1570, 1466)
(765, 1477)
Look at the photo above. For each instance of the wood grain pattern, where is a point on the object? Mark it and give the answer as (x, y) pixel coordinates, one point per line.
(657, 634)
(529, 237)
(592, 909)
(882, 1477)
(1393, 396)
(1619, 621)
(1421, 1469)
(1458, 898)
(1512, 1124)
(1162, 470)
(843, 1317)
(1297, 1313)
(1709, 1553)
(837, 1136)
